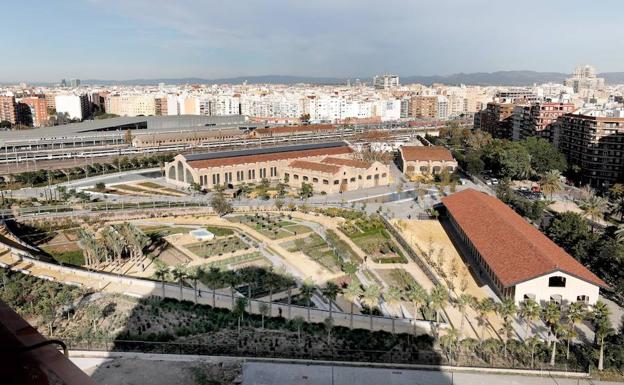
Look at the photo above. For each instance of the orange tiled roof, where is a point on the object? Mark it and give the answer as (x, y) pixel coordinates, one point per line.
(347, 162)
(269, 157)
(514, 250)
(314, 166)
(414, 153)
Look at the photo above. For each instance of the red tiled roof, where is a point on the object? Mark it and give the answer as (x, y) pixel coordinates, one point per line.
(414, 153)
(269, 157)
(514, 250)
(347, 162)
(314, 166)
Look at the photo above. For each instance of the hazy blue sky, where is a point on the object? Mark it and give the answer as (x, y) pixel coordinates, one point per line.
(124, 39)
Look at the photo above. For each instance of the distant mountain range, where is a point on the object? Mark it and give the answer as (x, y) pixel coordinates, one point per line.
(510, 78)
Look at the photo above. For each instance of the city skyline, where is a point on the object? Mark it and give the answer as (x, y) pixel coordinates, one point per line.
(140, 40)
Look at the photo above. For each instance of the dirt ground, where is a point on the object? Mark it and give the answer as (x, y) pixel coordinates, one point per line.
(131, 371)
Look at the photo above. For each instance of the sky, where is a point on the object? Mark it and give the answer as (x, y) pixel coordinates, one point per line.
(46, 40)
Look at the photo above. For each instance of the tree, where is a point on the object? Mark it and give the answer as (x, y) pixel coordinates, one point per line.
(463, 301)
(439, 298)
(264, 311)
(306, 190)
(571, 231)
(350, 268)
(594, 207)
(418, 296)
(239, 310)
(529, 311)
(603, 329)
(473, 163)
(352, 293)
(371, 299)
(515, 162)
(220, 204)
(484, 308)
(179, 274)
(279, 203)
(550, 182)
(161, 272)
(330, 291)
(213, 281)
(449, 342)
(551, 314)
(507, 310)
(544, 155)
(194, 274)
(392, 296)
(307, 290)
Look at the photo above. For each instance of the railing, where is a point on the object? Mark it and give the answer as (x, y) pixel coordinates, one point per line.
(410, 355)
(410, 251)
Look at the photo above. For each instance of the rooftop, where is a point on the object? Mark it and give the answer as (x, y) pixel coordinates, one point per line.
(314, 166)
(414, 153)
(347, 162)
(514, 249)
(225, 158)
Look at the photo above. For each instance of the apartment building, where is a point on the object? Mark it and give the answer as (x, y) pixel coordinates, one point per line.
(424, 107)
(130, 105)
(538, 119)
(34, 112)
(8, 109)
(75, 106)
(593, 140)
(497, 119)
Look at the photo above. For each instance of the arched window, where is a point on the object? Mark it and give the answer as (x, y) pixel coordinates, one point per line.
(556, 281)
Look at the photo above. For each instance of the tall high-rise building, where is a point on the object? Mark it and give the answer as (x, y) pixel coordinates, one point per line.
(537, 119)
(497, 119)
(35, 111)
(593, 140)
(386, 81)
(75, 106)
(8, 109)
(584, 80)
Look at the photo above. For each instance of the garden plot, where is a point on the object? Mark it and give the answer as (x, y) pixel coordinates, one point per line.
(63, 247)
(217, 246)
(240, 261)
(272, 226)
(316, 249)
(398, 278)
(371, 236)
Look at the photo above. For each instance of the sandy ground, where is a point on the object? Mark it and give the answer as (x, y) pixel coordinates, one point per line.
(430, 235)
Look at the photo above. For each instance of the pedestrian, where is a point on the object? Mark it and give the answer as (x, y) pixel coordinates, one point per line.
(279, 310)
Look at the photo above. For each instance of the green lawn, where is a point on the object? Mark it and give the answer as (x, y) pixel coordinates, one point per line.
(164, 230)
(69, 257)
(271, 226)
(318, 250)
(372, 237)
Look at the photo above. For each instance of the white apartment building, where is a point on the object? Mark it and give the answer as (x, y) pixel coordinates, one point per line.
(130, 105)
(76, 106)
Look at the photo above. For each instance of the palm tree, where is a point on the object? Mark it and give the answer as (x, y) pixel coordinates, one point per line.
(449, 342)
(233, 280)
(213, 280)
(551, 314)
(194, 274)
(239, 310)
(551, 183)
(162, 272)
(507, 310)
(350, 268)
(594, 207)
(462, 303)
(619, 233)
(307, 290)
(179, 274)
(529, 312)
(484, 308)
(603, 329)
(330, 291)
(371, 299)
(439, 298)
(264, 311)
(418, 296)
(352, 293)
(533, 341)
(392, 296)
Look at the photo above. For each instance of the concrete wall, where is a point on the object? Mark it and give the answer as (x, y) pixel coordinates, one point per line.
(574, 287)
